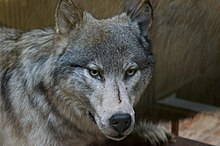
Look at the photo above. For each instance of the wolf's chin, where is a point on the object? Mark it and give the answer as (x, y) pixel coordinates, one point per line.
(116, 138)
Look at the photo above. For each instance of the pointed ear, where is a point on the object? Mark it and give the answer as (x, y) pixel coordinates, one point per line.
(67, 17)
(142, 14)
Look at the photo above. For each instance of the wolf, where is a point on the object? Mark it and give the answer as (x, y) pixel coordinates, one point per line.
(76, 83)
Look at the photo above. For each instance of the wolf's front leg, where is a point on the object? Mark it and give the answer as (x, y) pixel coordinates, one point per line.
(152, 134)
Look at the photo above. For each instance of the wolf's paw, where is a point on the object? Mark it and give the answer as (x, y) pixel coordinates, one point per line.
(154, 135)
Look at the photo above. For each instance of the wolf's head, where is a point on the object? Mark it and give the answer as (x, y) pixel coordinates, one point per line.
(104, 66)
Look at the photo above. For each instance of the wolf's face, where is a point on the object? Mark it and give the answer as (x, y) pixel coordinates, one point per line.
(103, 70)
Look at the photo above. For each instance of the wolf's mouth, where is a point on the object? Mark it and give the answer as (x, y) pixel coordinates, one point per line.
(92, 117)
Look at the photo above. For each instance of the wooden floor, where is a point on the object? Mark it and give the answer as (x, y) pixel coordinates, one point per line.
(204, 128)
(186, 142)
(178, 141)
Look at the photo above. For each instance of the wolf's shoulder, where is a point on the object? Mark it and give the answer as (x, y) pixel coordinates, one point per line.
(9, 34)
(17, 44)
(12, 34)
(8, 37)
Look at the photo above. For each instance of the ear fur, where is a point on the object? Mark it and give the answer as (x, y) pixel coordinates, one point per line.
(67, 17)
(142, 14)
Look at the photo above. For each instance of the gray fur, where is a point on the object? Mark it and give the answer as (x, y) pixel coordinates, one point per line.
(48, 94)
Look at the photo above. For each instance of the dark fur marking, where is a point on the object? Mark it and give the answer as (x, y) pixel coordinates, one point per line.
(119, 94)
(4, 85)
(7, 106)
(41, 88)
(148, 50)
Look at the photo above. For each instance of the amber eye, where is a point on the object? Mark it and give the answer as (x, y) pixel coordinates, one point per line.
(130, 72)
(95, 73)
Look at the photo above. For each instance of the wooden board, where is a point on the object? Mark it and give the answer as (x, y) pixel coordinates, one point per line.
(186, 142)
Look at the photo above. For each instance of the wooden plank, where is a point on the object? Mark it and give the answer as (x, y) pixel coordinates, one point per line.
(175, 127)
(179, 141)
(186, 142)
(189, 105)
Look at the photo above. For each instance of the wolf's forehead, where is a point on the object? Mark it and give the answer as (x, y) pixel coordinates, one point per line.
(113, 55)
(94, 31)
(109, 42)
(114, 36)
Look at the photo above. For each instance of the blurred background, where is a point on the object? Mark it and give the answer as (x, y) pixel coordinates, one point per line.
(185, 90)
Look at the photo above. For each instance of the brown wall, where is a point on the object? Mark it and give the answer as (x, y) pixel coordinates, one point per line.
(25, 14)
(185, 35)
(186, 40)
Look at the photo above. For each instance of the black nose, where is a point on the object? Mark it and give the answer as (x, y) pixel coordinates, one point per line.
(120, 122)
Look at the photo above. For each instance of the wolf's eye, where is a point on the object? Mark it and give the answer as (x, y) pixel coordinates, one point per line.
(130, 72)
(95, 73)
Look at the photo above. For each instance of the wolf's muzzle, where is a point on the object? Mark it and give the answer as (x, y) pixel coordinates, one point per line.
(120, 122)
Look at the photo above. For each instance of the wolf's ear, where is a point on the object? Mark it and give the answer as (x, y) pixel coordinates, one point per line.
(141, 14)
(67, 17)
